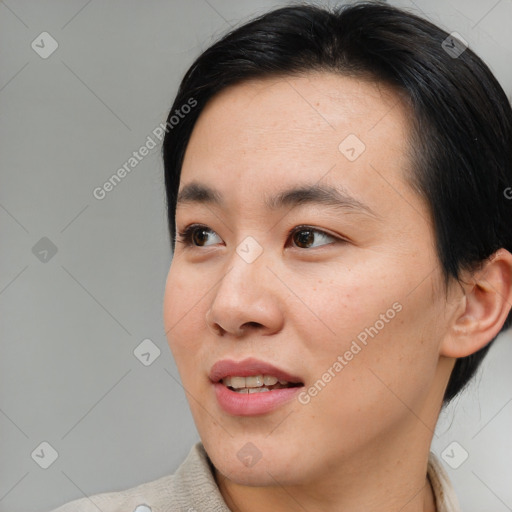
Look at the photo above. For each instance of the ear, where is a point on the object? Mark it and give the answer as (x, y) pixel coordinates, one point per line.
(484, 306)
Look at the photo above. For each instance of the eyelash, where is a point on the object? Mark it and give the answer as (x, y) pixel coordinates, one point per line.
(185, 236)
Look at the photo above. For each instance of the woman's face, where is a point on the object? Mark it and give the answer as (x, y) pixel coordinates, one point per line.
(349, 306)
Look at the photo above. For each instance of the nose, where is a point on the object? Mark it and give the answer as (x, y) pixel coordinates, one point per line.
(247, 299)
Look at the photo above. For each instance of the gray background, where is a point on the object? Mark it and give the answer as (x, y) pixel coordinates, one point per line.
(70, 325)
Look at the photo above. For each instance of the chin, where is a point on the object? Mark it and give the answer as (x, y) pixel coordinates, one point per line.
(254, 463)
(263, 474)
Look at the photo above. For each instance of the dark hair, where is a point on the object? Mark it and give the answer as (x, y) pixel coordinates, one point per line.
(462, 120)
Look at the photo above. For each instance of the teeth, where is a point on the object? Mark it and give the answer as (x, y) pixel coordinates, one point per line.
(252, 382)
(257, 390)
(255, 381)
(269, 380)
(235, 382)
(245, 391)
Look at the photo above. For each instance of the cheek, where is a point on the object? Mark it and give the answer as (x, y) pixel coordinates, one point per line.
(184, 311)
(344, 308)
(386, 336)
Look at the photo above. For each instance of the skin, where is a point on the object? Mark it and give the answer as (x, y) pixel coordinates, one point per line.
(362, 443)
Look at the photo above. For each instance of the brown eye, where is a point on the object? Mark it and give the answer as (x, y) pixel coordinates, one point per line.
(194, 236)
(199, 236)
(304, 236)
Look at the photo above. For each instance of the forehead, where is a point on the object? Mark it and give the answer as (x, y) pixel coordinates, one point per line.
(263, 135)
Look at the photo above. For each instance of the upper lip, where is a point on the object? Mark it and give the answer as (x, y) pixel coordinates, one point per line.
(248, 367)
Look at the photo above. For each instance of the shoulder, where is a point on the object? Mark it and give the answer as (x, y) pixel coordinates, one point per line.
(191, 484)
(446, 499)
(153, 495)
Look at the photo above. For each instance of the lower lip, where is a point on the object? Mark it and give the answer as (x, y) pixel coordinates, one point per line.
(250, 404)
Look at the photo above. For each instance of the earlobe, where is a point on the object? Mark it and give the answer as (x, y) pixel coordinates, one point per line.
(484, 307)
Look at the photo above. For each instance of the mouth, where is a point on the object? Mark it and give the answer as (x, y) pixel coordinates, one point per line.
(257, 383)
(251, 387)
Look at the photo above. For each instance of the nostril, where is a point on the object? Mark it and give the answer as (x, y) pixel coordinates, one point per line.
(251, 324)
(217, 329)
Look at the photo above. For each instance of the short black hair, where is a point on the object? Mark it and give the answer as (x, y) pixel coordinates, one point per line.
(462, 120)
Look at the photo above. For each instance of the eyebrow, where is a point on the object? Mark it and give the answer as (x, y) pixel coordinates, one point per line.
(315, 194)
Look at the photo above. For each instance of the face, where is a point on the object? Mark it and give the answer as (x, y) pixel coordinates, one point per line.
(342, 300)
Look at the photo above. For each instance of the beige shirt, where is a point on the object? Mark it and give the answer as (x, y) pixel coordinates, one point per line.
(192, 488)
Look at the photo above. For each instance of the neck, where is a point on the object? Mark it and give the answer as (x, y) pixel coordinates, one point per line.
(373, 484)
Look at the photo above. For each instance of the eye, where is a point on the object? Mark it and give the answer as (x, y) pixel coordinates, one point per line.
(196, 234)
(307, 235)
(188, 235)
